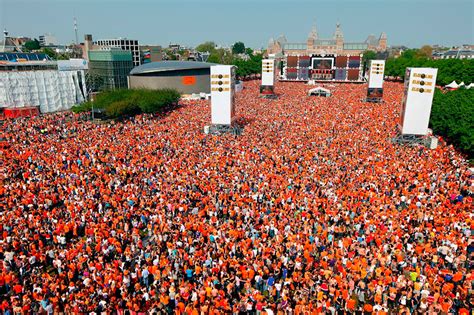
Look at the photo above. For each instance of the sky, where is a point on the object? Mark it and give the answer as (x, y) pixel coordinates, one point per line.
(412, 23)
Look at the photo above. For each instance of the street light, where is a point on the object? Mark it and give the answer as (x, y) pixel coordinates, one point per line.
(89, 94)
(5, 33)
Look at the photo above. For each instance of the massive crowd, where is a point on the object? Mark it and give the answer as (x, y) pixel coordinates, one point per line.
(312, 210)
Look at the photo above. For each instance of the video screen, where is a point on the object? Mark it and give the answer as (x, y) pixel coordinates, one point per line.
(375, 92)
(323, 63)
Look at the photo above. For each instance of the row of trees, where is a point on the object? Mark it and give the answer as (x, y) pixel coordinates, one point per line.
(244, 58)
(128, 102)
(448, 69)
(452, 116)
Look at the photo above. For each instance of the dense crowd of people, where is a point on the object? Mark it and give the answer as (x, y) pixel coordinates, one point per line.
(311, 210)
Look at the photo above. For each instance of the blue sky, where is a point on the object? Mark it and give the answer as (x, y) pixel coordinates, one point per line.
(409, 22)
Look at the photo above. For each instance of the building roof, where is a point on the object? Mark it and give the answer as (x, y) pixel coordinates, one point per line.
(171, 65)
(371, 40)
(295, 46)
(458, 52)
(18, 57)
(355, 46)
(325, 42)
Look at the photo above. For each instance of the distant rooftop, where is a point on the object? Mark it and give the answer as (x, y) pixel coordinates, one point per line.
(171, 65)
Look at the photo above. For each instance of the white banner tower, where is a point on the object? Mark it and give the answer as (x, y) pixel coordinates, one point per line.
(267, 88)
(375, 84)
(222, 100)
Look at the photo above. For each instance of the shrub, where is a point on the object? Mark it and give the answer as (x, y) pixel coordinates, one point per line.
(81, 108)
(123, 102)
(150, 102)
(122, 108)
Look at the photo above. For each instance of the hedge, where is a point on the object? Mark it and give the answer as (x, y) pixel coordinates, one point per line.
(124, 102)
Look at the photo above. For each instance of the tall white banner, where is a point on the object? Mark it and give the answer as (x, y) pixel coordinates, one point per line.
(222, 94)
(417, 100)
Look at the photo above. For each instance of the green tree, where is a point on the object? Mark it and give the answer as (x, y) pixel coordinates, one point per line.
(128, 102)
(452, 116)
(32, 45)
(238, 48)
(248, 67)
(206, 46)
(425, 52)
(50, 52)
(249, 51)
(448, 69)
(221, 56)
(94, 82)
(369, 55)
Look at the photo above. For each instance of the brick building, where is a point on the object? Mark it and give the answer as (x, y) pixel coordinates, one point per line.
(335, 45)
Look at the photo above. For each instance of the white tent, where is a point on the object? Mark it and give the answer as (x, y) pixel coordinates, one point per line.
(462, 84)
(452, 85)
(470, 86)
(51, 90)
(319, 91)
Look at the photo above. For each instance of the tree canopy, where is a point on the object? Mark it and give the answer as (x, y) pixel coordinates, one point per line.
(238, 48)
(369, 55)
(228, 57)
(452, 116)
(128, 102)
(424, 52)
(32, 45)
(448, 69)
(221, 56)
(206, 46)
(248, 67)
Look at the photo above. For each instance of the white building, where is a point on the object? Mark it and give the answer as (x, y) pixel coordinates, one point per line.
(48, 40)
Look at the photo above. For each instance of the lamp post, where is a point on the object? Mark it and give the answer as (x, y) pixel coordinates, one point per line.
(5, 33)
(92, 102)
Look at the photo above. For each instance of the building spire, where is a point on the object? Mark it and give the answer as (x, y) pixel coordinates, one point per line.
(338, 33)
(314, 31)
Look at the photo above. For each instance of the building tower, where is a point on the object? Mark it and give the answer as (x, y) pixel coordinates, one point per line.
(75, 31)
(88, 45)
(382, 42)
(312, 36)
(339, 37)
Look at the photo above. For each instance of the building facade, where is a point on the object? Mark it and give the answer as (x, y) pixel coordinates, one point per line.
(321, 46)
(109, 68)
(187, 77)
(47, 40)
(124, 44)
